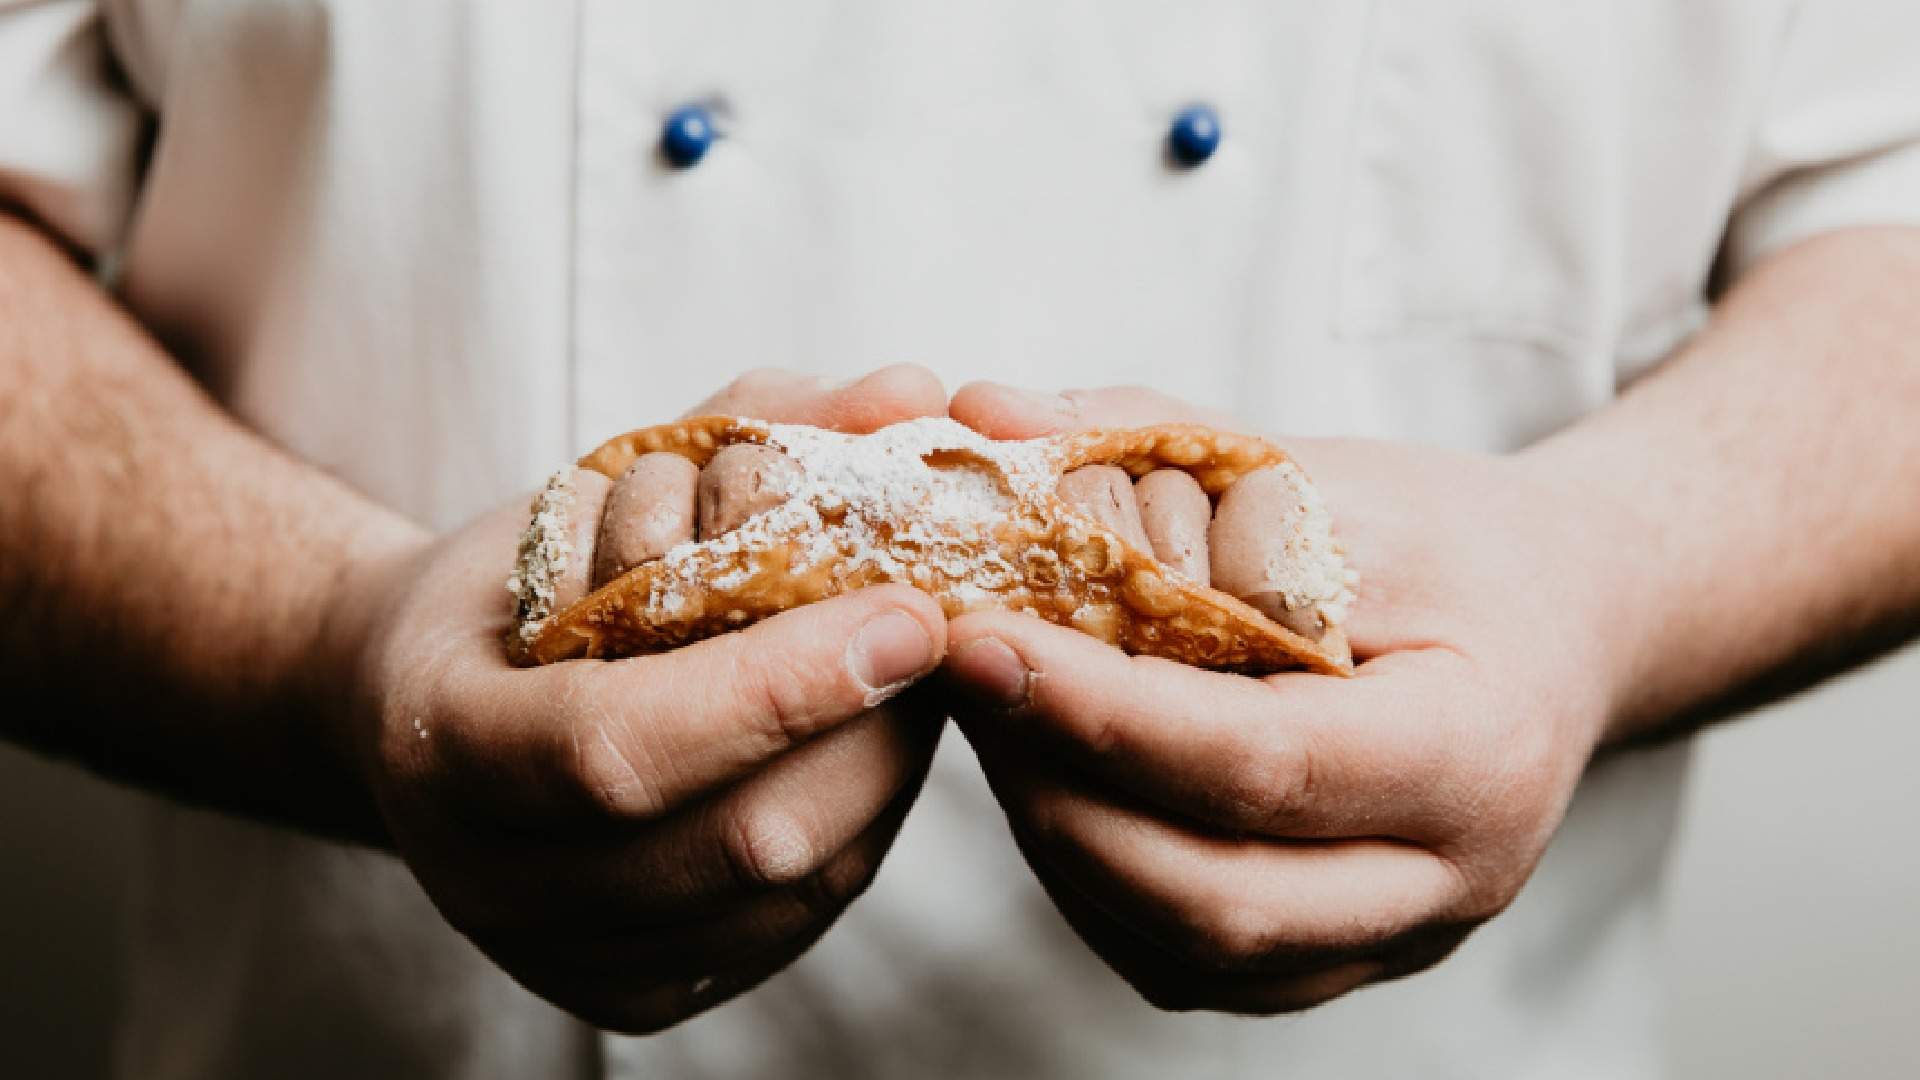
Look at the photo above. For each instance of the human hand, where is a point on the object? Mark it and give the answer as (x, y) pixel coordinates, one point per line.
(1261, 846)
(638, 840)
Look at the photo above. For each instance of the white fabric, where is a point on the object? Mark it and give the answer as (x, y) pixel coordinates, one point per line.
(68, 137)
(429, 247)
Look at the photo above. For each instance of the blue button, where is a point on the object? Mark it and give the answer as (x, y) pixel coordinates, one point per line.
(687, 135)
(1195, 135)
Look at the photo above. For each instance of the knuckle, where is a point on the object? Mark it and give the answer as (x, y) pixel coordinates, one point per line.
(1049, 815)
(767, 847)
(1482, 901)
(1424, 950)
(1473, 893)
(610, 769)
(1228, 937)
(1101, 734)
(781, 690)
(838, 884)
(614, 785)
(1270, 786)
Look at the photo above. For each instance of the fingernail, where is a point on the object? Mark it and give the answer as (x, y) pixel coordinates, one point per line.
(994, 671)
(887, 652)
(1058, 406)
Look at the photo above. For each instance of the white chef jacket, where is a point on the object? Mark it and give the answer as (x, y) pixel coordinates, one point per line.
(431, 248)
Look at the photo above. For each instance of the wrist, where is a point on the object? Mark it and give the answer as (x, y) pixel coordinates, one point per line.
(1609, 541)
(332, 687)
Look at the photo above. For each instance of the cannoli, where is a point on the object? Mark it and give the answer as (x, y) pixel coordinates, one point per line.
(1222, 555)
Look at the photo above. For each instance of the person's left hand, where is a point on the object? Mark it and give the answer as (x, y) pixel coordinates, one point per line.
(1265, 845)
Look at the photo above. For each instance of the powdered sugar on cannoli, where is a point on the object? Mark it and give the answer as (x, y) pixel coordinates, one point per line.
(911, 501)
(790, 514)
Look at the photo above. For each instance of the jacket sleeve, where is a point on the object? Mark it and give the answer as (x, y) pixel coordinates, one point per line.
(1837, 142)
(70, 131)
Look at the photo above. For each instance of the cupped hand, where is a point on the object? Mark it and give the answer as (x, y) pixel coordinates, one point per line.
(638, 840)
(1265, 845)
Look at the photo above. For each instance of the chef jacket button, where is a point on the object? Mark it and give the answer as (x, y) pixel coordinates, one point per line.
(1194, 136)
(687, 135)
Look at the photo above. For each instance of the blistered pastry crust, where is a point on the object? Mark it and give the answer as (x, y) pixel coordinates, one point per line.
(992, 535)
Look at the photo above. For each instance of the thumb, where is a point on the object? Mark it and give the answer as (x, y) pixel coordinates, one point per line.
(886, 396)
(1007, 412)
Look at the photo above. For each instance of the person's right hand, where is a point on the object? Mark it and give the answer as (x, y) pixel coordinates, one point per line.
(638, 840)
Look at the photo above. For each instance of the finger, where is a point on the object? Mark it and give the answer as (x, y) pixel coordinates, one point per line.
(1294, 755)
(1167, 982)
(886, 396)
(647, 981)
(1008, 412)
(1163, 981)
(780, 828)
(784, 825)
(1222, 903)
(641, 1005)
(634, 739)
(619, 934)
(639, 1001)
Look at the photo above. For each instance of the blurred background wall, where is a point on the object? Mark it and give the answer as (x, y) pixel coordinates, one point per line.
(1795, 927)
(1795, 919)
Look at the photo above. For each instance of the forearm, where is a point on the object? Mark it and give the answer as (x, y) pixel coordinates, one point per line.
(169, 577)
(1760, 488)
